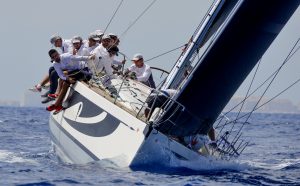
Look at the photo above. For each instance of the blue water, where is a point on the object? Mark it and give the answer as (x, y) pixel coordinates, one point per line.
(26, 157)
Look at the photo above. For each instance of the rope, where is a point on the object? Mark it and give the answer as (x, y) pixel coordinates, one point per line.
(249, 88)
(165, 53)
(262, 83)
(244, 100)
(297, 81)
(271, 99)
(148, 7)
(235, 139)
(113, 16)
(256, 107)
(284, 62)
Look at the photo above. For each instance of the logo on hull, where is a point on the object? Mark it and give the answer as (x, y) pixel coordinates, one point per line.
(88, 118)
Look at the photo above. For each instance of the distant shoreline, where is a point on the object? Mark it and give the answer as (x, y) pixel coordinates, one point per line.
(281, 106)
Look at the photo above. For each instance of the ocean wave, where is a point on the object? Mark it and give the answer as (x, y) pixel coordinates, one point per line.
(11, 157)
(210, 164)
(275, 165)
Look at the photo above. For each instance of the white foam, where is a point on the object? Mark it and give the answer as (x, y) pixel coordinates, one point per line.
(202, 163)
(116, 162)
(11, 157)
(275, 165)
(209, 163)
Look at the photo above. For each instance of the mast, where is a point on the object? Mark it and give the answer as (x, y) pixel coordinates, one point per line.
(183, 63)
(237, 46)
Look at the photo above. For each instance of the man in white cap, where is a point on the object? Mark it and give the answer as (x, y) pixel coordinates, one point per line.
(105, 54)
(78, 47)
(102, 55)
(99, 33)
(61, 44)
(103, 60)
(104, 45)
(106, 41)
(115, 39)
(92, 43)
(142, 72)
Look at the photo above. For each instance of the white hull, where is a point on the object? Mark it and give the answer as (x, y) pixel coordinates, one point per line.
(93, 128)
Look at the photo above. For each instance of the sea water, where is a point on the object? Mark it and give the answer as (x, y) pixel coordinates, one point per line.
(27, 158)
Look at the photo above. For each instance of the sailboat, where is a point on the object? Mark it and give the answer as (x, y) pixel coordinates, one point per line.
(97, 125)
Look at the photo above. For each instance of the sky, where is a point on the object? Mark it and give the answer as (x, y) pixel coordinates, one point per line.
(26, 27)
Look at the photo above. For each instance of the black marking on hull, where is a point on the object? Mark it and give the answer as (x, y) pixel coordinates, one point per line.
(89, 109)
(81, 146)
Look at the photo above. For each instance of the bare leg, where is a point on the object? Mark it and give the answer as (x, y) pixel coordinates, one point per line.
(60, 84)
(45, 80)
(62, 93)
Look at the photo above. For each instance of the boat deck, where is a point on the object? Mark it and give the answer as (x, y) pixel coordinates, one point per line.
(131, 95)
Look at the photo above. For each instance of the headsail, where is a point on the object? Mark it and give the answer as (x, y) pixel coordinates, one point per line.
(246, 34)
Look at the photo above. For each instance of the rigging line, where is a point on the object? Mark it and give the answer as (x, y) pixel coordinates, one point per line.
(164, 53)
(284, 90)
(249, 88)
(289, 57)
(244, 100)
(147, 8)
(284, 62)
(261, 83)
(113, 16)
(271, 99)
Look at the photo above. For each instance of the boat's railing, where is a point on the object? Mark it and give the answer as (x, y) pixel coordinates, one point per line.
(228, 144)
(156, 105)
(159, 75)
(152, 106)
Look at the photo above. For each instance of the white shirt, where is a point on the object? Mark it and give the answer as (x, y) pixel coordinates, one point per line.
(90, 49)
(143, 73)
(102, 60)
(85, 43)
(69, 62)
(81, 52)
(66, 45)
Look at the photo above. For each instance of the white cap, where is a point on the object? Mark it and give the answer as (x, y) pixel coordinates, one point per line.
(99, 33)
(76, 39)
(54, 38)
(94, 37)
(112, 34)
(137, 57)
(106, 37)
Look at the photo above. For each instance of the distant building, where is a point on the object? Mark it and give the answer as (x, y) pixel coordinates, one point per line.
(9, 103)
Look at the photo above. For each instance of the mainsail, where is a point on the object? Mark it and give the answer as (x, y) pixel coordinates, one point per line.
(239, 42)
